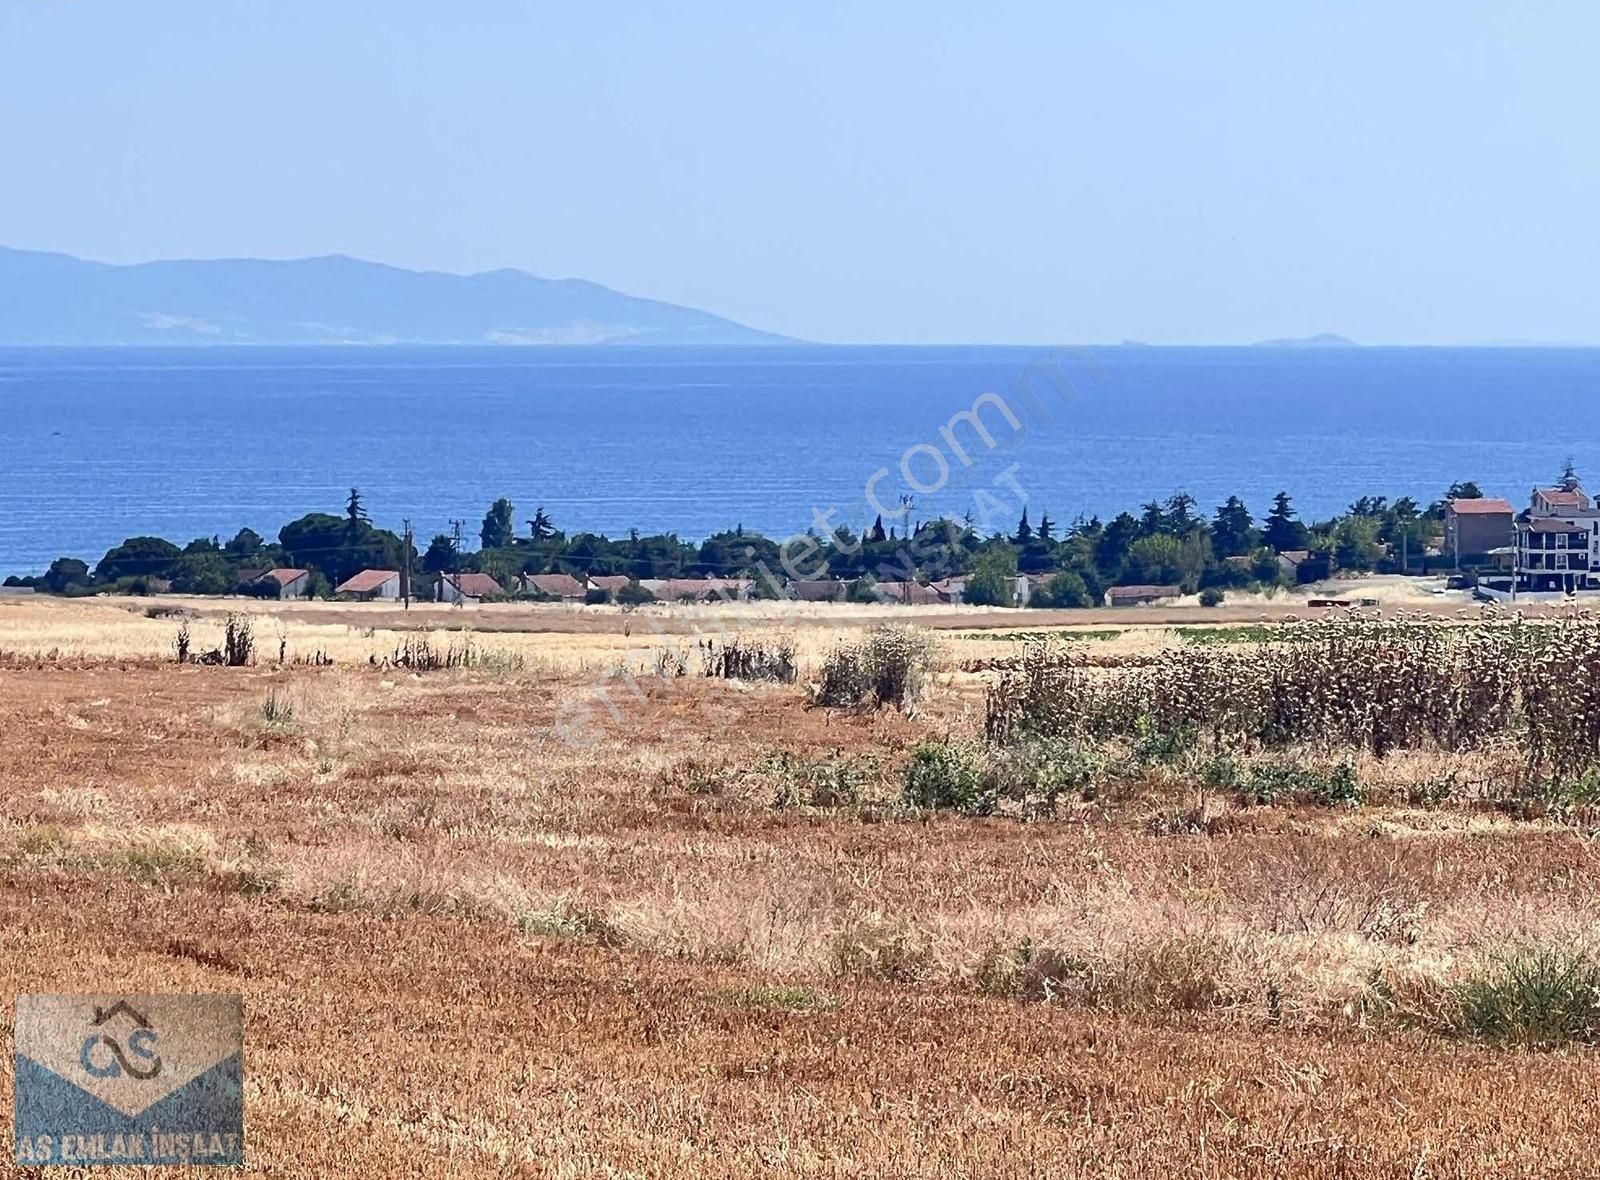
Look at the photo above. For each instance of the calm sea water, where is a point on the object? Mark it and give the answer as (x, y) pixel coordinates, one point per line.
(96, 445)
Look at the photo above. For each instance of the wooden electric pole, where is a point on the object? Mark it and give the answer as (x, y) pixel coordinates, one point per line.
(405, 565)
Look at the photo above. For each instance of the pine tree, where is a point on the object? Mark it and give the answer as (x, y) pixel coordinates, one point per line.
(1284, 530)
(1024, 530)
(1233, 533)
(541, 526)
(875, 534)
(1047, 529)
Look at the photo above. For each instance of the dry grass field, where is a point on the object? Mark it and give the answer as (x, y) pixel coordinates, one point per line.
(706, 938)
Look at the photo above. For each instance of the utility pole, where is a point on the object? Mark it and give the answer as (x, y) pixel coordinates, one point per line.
(455, 561)
(405, 566)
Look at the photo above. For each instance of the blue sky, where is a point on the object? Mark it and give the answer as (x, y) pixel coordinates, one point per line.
(916, 172)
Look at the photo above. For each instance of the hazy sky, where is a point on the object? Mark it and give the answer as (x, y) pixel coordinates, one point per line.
(918, 171)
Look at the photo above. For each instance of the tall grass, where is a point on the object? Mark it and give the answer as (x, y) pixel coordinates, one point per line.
(1374, 687)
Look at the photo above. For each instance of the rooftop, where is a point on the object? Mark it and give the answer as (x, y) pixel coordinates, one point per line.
(366, 581)
(1479, 507)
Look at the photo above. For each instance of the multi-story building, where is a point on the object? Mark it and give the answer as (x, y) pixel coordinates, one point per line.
(1558, 543)
(1474, 529)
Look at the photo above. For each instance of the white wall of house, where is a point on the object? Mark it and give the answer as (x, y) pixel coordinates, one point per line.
(388, 592)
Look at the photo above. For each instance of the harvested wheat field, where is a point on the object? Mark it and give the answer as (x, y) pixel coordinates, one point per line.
(563, 904)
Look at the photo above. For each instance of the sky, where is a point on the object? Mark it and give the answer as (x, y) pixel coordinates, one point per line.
(916, 172)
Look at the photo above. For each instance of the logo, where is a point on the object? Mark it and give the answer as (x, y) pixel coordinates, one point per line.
(129, 1080)
(141, 1042)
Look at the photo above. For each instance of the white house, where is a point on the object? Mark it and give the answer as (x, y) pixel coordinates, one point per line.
(291, 583)
(1557, 548)
(370, 585)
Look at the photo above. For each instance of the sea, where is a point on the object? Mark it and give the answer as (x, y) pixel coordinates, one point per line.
(101, 444)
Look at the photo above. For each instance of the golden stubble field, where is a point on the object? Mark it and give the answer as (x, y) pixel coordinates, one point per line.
(469, 947)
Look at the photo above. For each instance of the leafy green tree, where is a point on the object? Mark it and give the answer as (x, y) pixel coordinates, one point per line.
(1111, 548)
(203, 573)
(339, 547)
(1167, 560)
(1284, 528)
(65, 572)
(499, 525)
(1355, 543)
(246, 543)
(1157, 561)
(441, 557)
(1062, 590)
(150, 557)
(994, 577)
(1464, 490)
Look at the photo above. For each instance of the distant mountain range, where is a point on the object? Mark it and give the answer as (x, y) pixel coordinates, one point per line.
(58, 299)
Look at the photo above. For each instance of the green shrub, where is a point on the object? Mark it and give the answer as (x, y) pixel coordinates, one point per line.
(1211, 596)
(1341, 788)
(634, 594)
(1220, 771)
(1538, 997)
(276, 710)
(1153, 744)
(829, 783)
(1036, 773)
(943, 776)
(1268, 782)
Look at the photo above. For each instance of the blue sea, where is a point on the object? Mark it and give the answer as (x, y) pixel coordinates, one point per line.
(100, 444)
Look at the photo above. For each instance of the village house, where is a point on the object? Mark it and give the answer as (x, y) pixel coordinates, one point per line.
(466, 588)
(291, 583)
(1558, 543)
(1140, 595)
(907, 593)
(949, 590)
(819, 589)
(610, 584)
(698, 589)
(1475, 529)
(371, 585)
(562, 587)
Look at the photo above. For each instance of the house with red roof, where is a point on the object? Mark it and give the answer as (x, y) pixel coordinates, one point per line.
(1474, 529)
(371, 585)
(1558, 542)
(564, 587)
(467, 588)
(291, 583)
